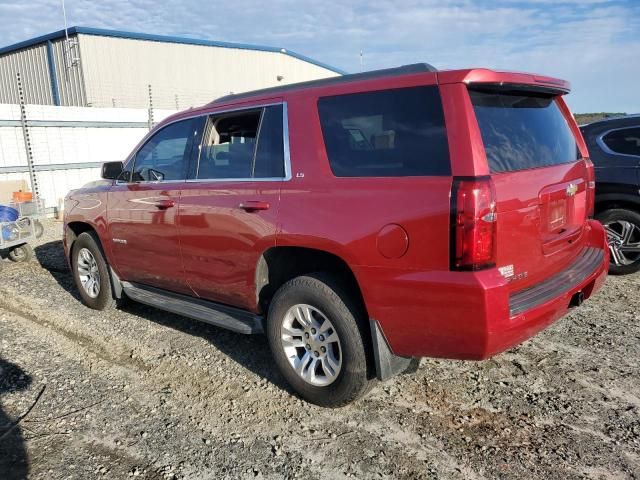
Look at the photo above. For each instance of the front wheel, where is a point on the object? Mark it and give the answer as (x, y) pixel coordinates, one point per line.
(91, 273)
(319, 340)
(623, 234)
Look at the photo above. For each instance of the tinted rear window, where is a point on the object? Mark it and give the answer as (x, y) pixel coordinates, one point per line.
(389, 133)
(522, 131)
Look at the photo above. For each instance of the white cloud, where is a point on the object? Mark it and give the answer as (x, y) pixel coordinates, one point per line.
(592, 43)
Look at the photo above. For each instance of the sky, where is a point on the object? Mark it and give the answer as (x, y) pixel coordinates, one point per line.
(595, 44)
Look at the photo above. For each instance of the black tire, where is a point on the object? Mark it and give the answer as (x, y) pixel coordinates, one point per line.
(104, 299)
(21, 253)
(321, 291)
(612, 219)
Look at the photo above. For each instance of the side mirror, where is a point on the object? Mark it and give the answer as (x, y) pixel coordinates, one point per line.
(112, 170)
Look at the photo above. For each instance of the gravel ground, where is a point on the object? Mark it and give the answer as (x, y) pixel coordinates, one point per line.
(141, 393)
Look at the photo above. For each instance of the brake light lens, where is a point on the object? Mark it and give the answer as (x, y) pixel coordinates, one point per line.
(473, 224)
(591, 187)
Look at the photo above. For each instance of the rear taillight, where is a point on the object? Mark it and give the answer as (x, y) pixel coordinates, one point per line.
(591, 187)
(473, 224)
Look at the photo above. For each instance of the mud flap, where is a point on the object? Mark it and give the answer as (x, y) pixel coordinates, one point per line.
(387, 364)
(116, 284)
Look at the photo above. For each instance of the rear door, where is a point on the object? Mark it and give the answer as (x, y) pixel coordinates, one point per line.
(228, 209)
(540, 180)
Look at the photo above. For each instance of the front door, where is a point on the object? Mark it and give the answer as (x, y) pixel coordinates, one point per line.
(143, 207)
(228, 211)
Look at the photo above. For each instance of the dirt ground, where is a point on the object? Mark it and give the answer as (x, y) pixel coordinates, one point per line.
(138, 392)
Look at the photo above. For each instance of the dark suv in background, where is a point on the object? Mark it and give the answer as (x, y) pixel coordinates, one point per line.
(614, 146)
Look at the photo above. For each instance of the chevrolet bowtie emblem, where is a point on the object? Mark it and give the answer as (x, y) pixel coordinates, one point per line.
(572, 189)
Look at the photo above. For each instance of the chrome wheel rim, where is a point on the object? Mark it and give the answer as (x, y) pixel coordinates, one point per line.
(88, 273)
(624, 242)
(311, 344)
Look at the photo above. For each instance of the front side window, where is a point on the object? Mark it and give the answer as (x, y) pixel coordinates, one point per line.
(165, 156)
(625, 141)
(243, 145)
(389, 133)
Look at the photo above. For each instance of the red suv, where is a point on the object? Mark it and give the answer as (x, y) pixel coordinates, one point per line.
(359, 221)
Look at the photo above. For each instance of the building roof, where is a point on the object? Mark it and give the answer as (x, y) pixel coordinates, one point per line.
(160, 38)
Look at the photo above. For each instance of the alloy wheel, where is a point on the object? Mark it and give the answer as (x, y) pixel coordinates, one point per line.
(311, 344)
(88, 273)
(624, 242)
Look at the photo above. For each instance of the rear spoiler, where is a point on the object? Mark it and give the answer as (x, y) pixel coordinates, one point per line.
(519, 88)
(506, 81)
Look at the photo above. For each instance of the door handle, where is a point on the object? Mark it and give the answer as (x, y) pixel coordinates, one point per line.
(164, 204)
(254, 205)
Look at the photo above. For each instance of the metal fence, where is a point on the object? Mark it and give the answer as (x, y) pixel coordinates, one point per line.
(57, 149)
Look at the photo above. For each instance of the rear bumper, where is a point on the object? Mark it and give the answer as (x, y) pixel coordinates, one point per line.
(473, 315)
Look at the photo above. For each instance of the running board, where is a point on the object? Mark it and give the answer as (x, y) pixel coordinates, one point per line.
(231, 318)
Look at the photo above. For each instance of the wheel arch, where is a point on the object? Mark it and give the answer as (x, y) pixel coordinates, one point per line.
(610, 201)
(76, 228)
(277, 265)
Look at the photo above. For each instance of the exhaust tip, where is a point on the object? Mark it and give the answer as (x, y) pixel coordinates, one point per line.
(577, 299)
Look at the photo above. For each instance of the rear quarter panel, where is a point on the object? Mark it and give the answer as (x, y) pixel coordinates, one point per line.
(344, 216)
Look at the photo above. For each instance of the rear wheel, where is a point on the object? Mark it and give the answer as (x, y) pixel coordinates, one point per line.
(319, 340)
(22, 253)
(91, 273)
(623, 234)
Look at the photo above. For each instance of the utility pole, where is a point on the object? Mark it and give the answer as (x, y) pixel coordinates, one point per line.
(69, 46)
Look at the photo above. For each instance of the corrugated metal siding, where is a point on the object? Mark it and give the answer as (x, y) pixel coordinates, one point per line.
(33, 67)
(117, 71)
(70, 80)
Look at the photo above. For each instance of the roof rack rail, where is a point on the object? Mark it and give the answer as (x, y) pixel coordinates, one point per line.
(352, 77)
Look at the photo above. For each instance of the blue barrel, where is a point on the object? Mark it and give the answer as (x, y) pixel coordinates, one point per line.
(8, 214)
(10, 232)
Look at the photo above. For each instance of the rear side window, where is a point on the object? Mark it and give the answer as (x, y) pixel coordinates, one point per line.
(243, 145)
(625, 141)
(390, 133)
(269, 161)
(522, 131)
(228, 146)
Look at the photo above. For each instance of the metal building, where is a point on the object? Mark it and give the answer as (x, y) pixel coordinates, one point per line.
(105, 68)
